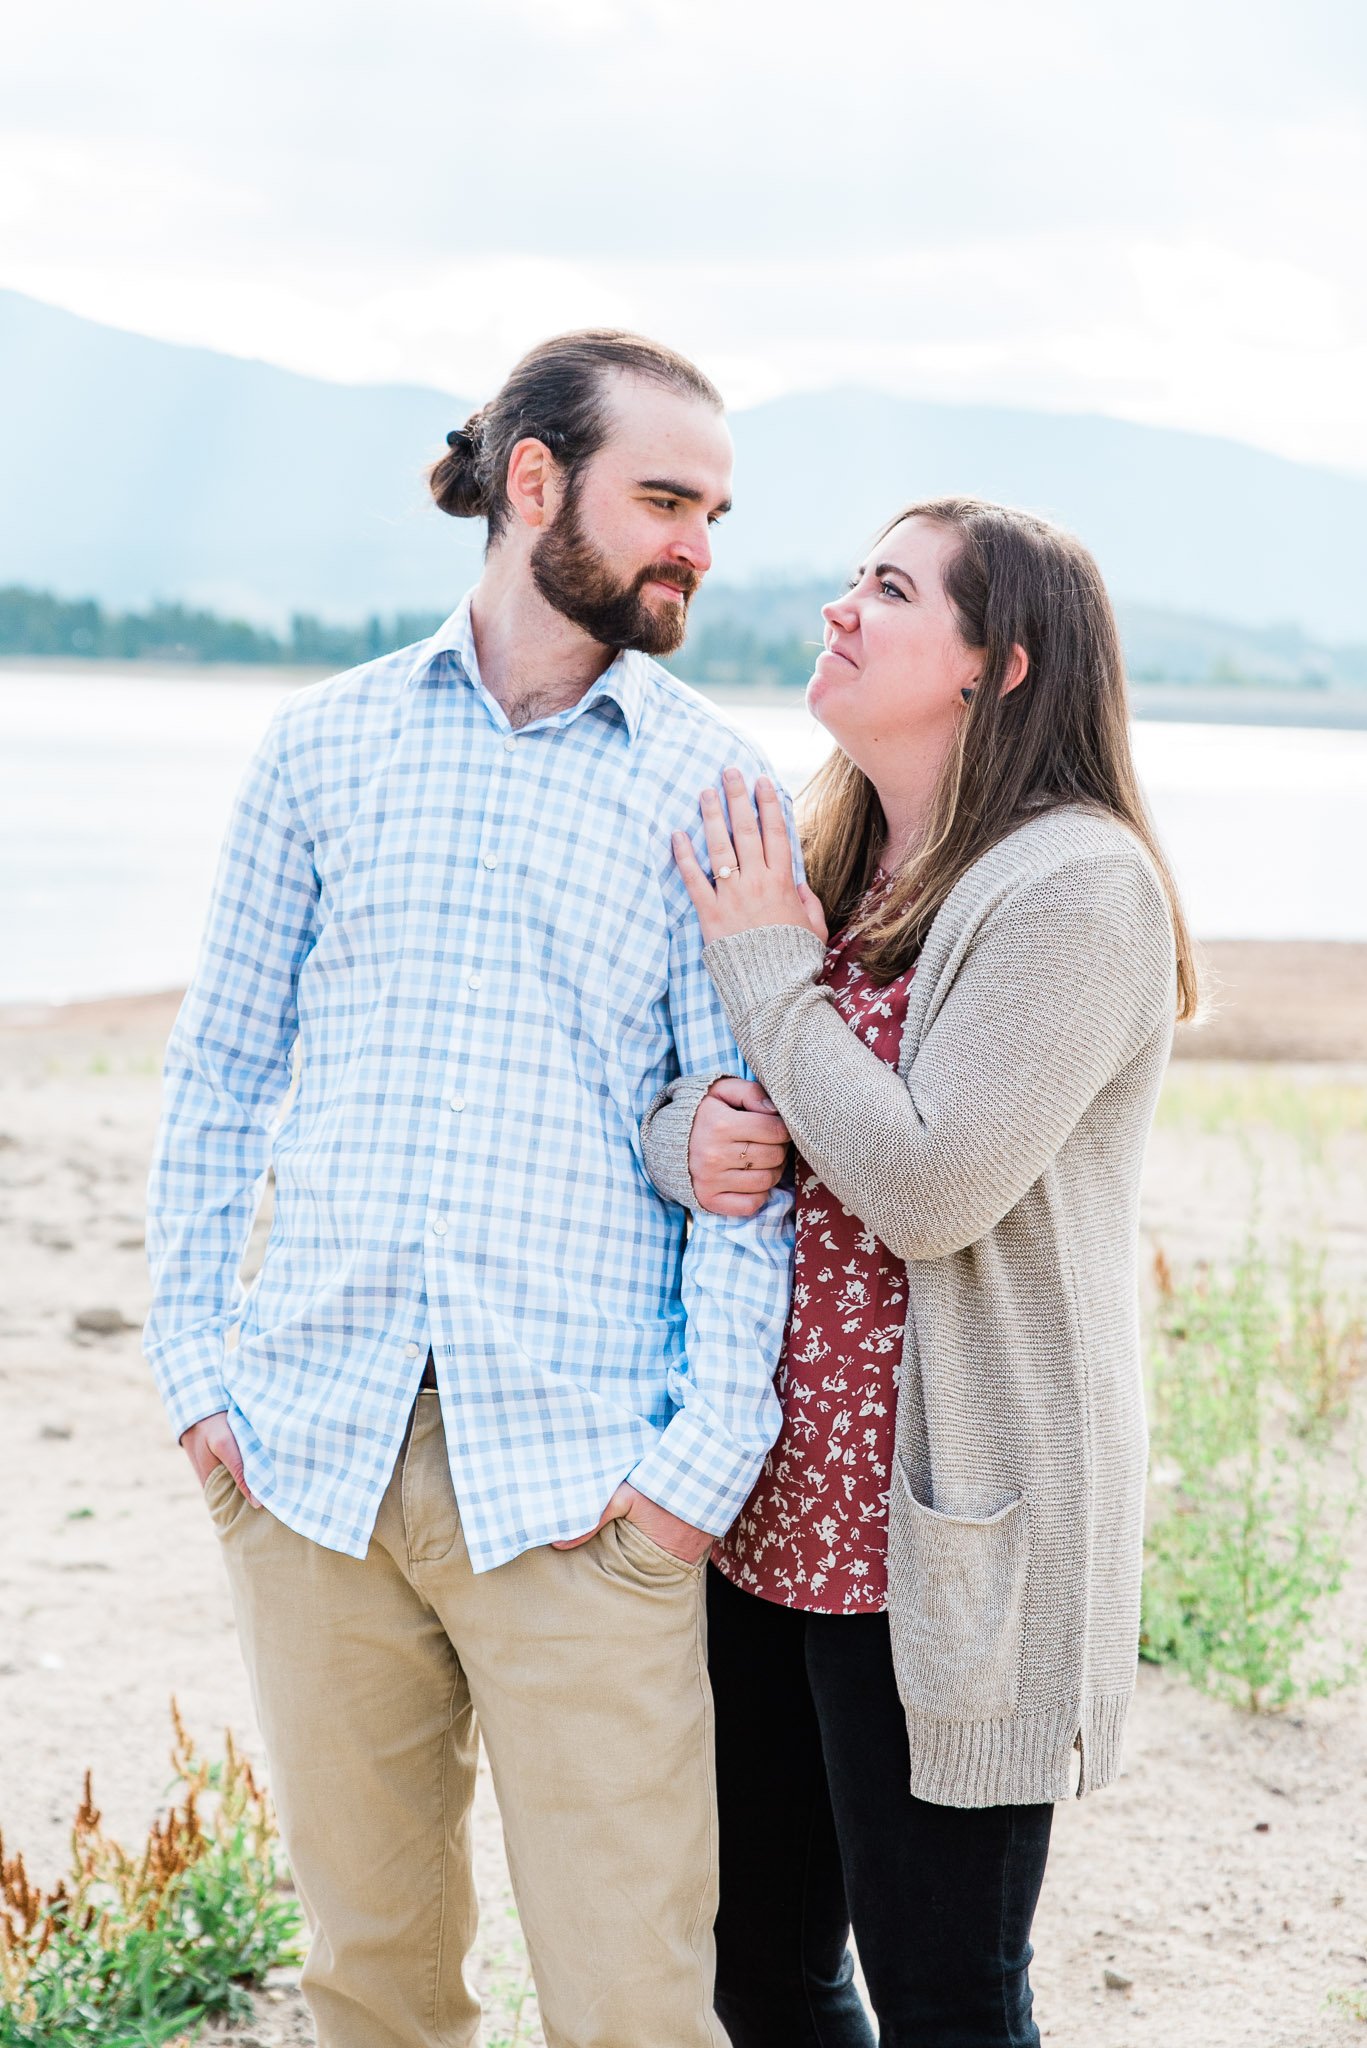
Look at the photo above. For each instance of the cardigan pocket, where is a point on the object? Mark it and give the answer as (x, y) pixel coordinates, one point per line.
(956, 1600)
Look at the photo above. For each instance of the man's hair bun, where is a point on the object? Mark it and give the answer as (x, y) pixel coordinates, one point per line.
(458, 481)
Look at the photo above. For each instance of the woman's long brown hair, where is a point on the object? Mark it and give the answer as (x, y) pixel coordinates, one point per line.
(1061, 737)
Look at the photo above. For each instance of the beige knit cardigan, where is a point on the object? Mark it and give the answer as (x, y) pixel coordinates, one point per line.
(1001, 1159)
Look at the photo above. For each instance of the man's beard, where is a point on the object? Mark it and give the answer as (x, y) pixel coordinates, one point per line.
(576, 581)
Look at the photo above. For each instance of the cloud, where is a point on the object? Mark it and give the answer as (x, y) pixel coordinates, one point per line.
(1150, 211)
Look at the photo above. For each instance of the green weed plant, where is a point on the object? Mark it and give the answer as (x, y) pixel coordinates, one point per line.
(1247, 1540)
(134, 1951)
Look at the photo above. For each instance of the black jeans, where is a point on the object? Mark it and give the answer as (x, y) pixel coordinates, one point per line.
(819, 1830)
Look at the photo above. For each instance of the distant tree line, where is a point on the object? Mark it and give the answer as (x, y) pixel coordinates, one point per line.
(725, 655)
(721, 650)
(763, 636)
(769, 634)
(35, 622)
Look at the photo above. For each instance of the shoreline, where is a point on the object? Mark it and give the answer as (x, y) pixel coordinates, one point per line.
(115, 1014)
(1295, 1000)
(1341, 709)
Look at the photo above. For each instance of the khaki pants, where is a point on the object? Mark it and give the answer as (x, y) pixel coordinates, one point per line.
(586, 1670)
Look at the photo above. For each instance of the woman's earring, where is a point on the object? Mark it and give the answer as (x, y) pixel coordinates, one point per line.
(967, 695)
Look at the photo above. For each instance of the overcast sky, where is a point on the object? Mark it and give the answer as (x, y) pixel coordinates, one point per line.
(1156, 211)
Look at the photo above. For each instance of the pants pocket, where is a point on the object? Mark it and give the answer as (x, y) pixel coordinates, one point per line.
(647, 1555)
(956, 1600)
(222, 1497)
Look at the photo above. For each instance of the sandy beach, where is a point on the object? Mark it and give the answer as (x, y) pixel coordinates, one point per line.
(1224, 1878)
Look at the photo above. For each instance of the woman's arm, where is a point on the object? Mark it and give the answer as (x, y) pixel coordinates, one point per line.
(1063, 983)
(666, 1129)
(712, 1141)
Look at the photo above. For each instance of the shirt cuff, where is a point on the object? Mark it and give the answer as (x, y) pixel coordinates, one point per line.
(189, 1376)
(697, 1475)
(749, 968)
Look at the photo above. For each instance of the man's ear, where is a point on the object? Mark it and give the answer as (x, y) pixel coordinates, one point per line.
(533, 477)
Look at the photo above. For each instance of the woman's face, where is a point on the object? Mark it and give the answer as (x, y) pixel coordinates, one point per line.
(891, 678)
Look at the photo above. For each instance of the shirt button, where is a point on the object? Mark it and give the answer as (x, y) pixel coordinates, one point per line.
(508, 746)
(490, 860)
(410, 1350)
(440, 1226)
(456, 1101)
(475, 981)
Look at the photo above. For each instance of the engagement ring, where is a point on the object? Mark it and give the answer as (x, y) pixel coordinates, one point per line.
(722, 873)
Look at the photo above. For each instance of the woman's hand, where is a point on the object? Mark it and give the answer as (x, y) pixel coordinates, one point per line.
(736, 1149)
(753, 881)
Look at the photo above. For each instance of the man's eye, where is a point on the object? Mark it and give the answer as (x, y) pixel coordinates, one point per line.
(665, 504)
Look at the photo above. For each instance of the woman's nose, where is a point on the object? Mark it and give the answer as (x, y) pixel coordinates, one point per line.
(841, 614)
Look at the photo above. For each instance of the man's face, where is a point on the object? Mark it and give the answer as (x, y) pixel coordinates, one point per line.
(631, 541)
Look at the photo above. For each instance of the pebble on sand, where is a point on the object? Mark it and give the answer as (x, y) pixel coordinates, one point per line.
(101, 1322)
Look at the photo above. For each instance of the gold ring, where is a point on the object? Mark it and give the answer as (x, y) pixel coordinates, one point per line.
(722, 873)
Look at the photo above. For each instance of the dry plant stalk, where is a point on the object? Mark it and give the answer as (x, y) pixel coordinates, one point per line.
(109, 1901)
(106, 1886)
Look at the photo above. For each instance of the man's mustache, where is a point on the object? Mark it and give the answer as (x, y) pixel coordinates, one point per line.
(686, 580)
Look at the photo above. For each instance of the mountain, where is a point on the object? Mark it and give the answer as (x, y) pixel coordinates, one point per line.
(1179, 521)
(137, 469)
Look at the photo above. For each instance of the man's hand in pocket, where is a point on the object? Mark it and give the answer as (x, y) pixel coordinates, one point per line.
(680, 1539)
(211, 1442)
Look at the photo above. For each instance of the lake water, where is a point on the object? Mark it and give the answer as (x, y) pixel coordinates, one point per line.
(114, 787)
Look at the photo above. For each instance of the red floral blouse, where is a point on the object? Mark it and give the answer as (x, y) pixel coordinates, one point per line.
(813, 1534)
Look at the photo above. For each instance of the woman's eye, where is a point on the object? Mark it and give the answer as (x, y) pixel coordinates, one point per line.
(891, 590)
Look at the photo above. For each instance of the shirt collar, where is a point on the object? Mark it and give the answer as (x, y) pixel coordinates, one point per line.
(624, 683)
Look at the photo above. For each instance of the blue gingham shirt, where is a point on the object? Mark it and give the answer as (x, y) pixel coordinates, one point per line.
(481, 944)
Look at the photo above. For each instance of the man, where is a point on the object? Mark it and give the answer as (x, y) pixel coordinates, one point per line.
(447, 894)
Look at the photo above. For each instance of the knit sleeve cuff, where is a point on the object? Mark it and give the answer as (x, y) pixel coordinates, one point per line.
(750, 968)
(666, 1129)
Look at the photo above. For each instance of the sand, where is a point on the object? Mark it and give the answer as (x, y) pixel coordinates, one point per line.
(1224, 1876)
(1283, 1000)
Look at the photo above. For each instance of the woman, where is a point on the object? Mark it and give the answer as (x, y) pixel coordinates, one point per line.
(930, 1603)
